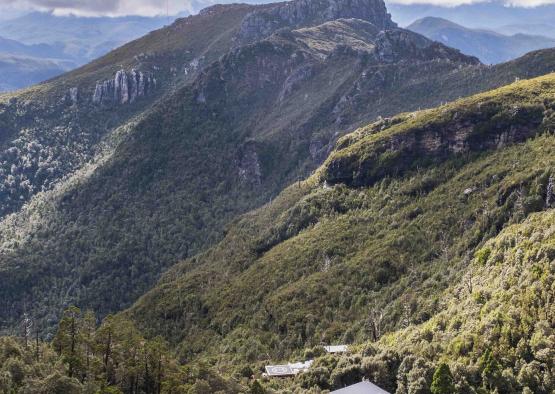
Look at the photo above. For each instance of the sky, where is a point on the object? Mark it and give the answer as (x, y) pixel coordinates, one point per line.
(98, 7)
(161, 7)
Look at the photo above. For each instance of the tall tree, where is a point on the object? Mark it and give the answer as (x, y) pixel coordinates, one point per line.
(442, 381)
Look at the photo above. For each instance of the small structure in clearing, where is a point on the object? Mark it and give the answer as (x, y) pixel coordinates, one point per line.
(337, 348)
(290, 369)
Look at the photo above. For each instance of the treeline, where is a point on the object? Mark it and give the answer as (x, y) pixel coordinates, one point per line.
(113, 357)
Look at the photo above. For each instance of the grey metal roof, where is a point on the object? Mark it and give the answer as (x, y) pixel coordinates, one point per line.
(336, 348)
(279, 370)
(288, 369)
(361, 388)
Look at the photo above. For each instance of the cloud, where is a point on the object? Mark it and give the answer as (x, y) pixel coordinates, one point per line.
(158, 7)
(454, 3)
(100, 7)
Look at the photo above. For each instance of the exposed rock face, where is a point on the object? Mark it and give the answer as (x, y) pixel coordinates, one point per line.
(296, 77)
(394, 44)
(124, 88)
(74, 95)
(400, 152)
(299, 13)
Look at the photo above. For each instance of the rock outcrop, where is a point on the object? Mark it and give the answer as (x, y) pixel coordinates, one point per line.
(487, 126)
(266, 20)
(74, 95)
(126, 87)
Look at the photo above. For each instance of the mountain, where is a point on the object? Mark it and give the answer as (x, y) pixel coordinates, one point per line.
(117, 170)
(275, 163)
(424, 238)
(13, 47)
(40, 46)
(217, 136)
(20, 71)
(489, 15)
(488, 46)
(82, 38)
(536, 29)
(24, 65)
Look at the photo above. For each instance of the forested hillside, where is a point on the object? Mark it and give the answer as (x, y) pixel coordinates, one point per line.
(393, 235)
(278, 165)
(126, 176)
(424, 241)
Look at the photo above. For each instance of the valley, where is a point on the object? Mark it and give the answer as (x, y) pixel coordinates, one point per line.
(250, 183)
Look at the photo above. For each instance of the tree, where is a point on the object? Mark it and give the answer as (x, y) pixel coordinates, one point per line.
(88, 330)
(26, 326)
(442, 381)
(491, 372)
(104, 341)
(375, 318)
(67, 340)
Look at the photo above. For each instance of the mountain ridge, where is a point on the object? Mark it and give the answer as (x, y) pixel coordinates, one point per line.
(489, 46)
(299, 54)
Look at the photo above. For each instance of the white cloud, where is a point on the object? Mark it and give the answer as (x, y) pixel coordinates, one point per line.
(99, 7)
(454, 3)
(158, 7)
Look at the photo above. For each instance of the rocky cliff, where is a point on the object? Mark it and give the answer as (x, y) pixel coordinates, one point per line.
(485, 125)
(266, 20)
(126, 87)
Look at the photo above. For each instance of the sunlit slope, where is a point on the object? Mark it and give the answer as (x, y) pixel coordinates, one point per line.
(389, 222)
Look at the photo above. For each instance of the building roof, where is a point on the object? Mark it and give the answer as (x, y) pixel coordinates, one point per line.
(288, 369)
(336, 348)
(361, 388)
(279, 370)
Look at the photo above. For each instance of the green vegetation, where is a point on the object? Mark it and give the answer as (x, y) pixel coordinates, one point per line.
(163, 187)
(439, 272)
(337, 263)
(423, 239)
(111, 358)
(442, 382)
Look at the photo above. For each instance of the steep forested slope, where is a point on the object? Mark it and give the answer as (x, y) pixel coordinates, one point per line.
(495, 332)
(245, 127)
(425, 240)
(391, 232)
(52, 129)
(146, 167)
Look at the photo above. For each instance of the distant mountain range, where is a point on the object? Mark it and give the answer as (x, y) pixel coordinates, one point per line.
(490, 47)
(38, 45)
(537, 29)
(23, 65)
(20, 71)
(491, 15)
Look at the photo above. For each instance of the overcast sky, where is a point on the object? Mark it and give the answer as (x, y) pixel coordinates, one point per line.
(158, 7)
